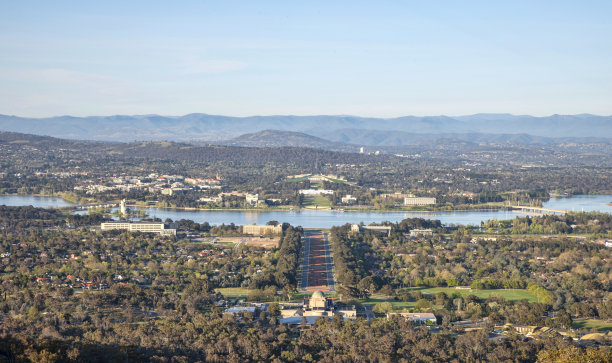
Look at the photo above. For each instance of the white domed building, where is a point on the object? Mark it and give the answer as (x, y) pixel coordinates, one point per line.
(317, 306)
(318, 301)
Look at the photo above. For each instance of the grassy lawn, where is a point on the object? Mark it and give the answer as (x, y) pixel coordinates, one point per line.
(338, 180)
(508, 294)
(397, 305)
(302, 295)
(233, 291)
(602, 326)
(320, 201)
(291, 180)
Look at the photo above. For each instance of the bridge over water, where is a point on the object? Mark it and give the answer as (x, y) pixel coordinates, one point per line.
(539, 210)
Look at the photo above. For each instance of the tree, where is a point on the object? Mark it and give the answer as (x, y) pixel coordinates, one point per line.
(383, 307)
(563, 319)
(422, 304)
(273, 310)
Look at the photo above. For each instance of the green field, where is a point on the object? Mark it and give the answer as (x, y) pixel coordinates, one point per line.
(233, 291)
(302, 295)
(508, 294)
(397, 305)
(602, 326)
(340, 181)
(319, 201)
(291, 180)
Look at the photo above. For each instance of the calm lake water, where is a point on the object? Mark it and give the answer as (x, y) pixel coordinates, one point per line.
(34, 201)
(582, 203)
(326, 218)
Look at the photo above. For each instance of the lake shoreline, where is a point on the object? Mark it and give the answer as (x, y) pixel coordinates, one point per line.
(290, 209)
(191, 209)
(318, 218)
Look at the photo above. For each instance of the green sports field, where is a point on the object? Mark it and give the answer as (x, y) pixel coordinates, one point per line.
(602, 326)
(508, 294)
(397, 305)
(233, 291)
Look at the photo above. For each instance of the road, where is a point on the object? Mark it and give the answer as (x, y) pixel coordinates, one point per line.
(317, 263)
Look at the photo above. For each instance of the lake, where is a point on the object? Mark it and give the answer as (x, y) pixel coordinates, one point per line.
(34, 201)
(327, 218)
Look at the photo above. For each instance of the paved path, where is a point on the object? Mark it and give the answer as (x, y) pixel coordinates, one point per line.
(317, 263)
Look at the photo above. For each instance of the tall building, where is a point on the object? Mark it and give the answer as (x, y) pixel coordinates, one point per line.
(123, 209)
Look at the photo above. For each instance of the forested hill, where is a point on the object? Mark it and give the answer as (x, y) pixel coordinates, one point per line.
(16, 146)
(34, 145)
(277, 138)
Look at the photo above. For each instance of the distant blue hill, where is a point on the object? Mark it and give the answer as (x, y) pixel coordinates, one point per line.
(338, 129)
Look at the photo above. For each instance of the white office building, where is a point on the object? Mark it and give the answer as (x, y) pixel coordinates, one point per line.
(419, 201)
(150, 227)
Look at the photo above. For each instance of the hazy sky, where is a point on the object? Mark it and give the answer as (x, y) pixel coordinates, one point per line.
(372, 58)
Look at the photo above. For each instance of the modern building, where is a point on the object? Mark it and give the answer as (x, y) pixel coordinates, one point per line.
(253, 199)
(419, 201)
(356, 228)
(301, 320)
(417, 318)
(174, 190)
(240, 309)
(421, 232)
(349, 199)
(218, 199)
(261, 229)
(316, 192)
(150, 227)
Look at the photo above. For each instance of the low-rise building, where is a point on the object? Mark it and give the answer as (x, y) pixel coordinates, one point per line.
(317, 306)
(421, 232)
(316, 192)
(217, 199)
(253, 199)
(240, 309)
(417, 318)
(349, 199)
(174, 190)
(356, 228)
(262, 229)
(419, 201)
(151, 227)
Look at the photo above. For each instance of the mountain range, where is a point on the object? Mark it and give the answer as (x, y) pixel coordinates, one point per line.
(328, 132)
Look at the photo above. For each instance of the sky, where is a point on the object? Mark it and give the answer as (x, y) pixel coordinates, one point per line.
(240, 58)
